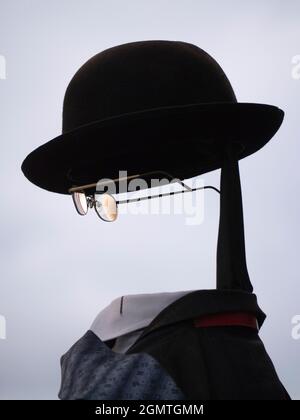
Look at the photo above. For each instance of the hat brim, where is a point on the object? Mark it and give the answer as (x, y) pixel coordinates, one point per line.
(185, 141)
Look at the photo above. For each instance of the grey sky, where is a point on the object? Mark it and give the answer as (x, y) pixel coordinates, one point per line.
(58, 269)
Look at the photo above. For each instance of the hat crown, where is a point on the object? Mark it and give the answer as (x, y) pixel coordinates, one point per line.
(141, 76)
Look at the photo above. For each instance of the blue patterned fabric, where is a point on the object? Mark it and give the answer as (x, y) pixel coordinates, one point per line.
(92, 371)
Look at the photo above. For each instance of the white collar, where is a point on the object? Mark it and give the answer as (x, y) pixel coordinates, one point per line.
(137, 312)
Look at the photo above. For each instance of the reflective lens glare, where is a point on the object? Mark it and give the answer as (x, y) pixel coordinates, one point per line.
(106, 207)
(80, 202)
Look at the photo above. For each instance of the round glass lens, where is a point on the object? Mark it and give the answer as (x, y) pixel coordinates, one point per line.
(106, 207)
(80, 202)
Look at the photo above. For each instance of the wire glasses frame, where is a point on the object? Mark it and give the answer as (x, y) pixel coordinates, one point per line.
(106, 206)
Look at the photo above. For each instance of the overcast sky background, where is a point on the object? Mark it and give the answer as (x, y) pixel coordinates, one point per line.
(59, 270)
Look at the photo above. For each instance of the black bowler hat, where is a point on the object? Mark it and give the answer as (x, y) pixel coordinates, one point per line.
(145, 106)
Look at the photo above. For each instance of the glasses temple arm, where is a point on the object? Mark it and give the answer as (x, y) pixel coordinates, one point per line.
(172, 177)
(133, 200)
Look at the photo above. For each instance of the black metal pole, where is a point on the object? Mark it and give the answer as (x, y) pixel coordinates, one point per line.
(232, 270)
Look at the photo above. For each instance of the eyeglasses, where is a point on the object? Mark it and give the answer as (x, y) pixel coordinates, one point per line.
(106, 206)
